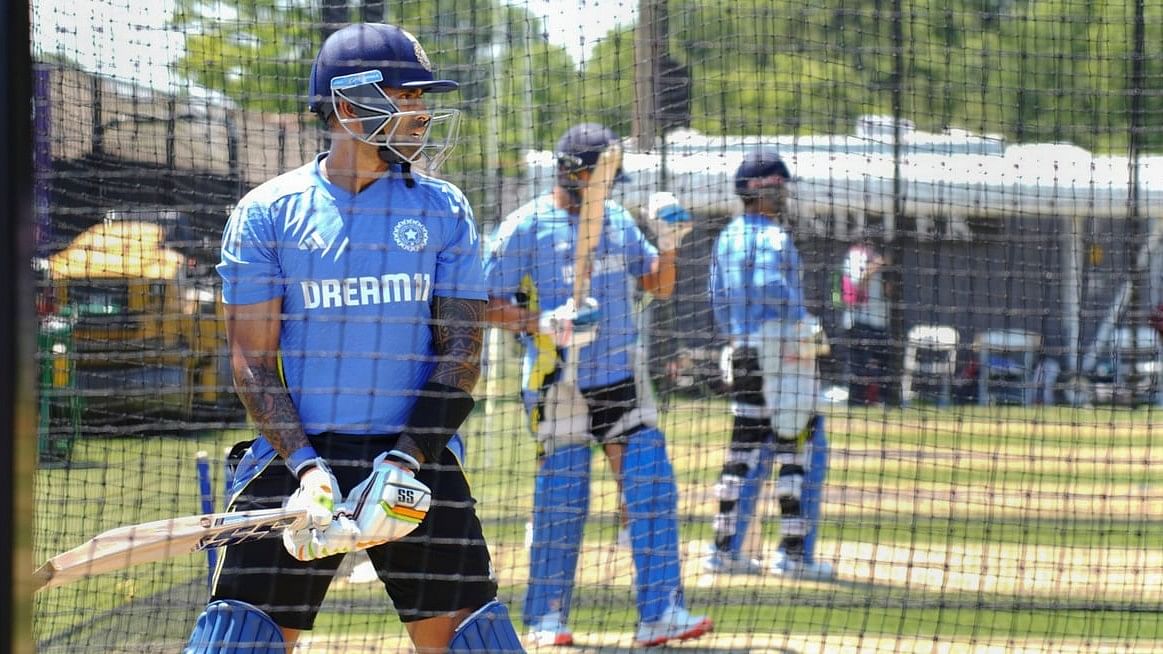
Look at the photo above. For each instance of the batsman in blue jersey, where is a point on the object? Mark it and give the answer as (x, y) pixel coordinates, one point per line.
(530, 270)
(770, 364)
(355, 300)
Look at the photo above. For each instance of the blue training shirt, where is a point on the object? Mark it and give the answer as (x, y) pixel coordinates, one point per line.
(755, 276)
(532, 253)
(356, 275)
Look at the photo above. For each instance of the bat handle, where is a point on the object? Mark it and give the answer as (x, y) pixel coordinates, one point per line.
(569, 375)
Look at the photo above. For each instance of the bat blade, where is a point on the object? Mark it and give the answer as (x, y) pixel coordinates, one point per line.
(591, 217)
(148, 542)
(589, 232)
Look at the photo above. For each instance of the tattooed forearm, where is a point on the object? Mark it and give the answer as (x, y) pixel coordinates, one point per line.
(261, 390)
(457, 330)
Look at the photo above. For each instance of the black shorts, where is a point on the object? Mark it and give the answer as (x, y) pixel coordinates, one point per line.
(441, 567)
(607, 404)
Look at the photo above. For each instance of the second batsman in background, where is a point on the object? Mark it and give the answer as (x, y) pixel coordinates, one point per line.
(770, 365)
(530, 269)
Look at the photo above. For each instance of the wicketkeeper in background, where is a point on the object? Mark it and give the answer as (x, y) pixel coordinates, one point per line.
(770, 364)
(530, 270)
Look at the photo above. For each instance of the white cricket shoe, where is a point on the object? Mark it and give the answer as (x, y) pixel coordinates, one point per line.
(550, 632)
(797, 568)
(676, 623)
(725, 563)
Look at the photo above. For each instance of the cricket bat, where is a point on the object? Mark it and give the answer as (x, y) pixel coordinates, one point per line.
(148, 542)
(593, 209)
(589, 233)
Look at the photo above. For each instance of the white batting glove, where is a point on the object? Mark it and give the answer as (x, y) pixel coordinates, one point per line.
(569, 326)
(390, 503)
(386, 506)
(340, 537)
(668, 219)
(727, 364)
(318, 493)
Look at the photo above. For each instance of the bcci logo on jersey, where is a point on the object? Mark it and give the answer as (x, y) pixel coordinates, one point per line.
(410, 234)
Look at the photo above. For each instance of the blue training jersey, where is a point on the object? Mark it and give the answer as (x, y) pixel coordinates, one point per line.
(356, 275)
(755, 276)
(532, 254)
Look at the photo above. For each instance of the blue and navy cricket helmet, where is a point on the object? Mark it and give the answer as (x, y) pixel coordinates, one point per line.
(355, 65)
(761, 168)
(362, 52)
(578, 149)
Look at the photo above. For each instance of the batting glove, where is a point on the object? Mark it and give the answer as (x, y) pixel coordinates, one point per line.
(391, 502)
(727, 365)
(668, 219)
(318, 493)
(569, 326)
(340, 536)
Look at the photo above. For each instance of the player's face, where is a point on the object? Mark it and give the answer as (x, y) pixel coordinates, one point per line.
(772, 201)
(398, 121)
(409, 129)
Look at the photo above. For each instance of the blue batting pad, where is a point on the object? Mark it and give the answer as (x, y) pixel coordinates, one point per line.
(561, 500)
(234, 627)
(256, 458)
(749, 495)
(488, 629)
(814, 485)
(652, 503)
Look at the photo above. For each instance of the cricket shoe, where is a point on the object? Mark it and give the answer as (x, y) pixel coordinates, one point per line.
(676, 623)
(797, 568)
(550, 632)
(718, 562)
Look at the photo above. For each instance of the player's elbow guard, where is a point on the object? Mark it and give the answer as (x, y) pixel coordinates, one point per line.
(439, 411)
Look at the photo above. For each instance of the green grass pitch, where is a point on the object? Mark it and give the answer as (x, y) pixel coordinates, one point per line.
(959, 529)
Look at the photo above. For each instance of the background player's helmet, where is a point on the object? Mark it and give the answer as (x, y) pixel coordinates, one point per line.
(762, 170)
(355, 64)
(578, 149)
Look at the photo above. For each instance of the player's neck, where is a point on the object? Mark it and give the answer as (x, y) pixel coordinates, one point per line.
(563, 199)
(351, 167)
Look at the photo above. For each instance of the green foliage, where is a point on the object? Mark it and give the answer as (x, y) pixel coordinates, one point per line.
(1035, 71)
(257, 53)
(1055, 70)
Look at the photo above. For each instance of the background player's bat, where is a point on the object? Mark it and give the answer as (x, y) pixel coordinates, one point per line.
(124, 547)
(593, 207)
(589, 232)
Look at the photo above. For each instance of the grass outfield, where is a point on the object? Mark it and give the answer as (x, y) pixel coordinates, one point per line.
(970, 529)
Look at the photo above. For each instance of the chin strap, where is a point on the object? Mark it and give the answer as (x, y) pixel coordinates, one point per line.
(388, 156)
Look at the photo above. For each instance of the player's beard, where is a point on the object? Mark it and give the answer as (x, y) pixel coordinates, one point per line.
(402, 139)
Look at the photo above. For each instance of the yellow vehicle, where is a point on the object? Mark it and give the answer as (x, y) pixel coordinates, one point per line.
(148, 336)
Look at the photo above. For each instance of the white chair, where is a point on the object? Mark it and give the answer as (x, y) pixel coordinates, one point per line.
(1012, 382)
(930, 353)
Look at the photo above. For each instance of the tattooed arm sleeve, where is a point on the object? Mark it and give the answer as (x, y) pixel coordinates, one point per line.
(445, 401)
(253, 333)
(458, 334)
